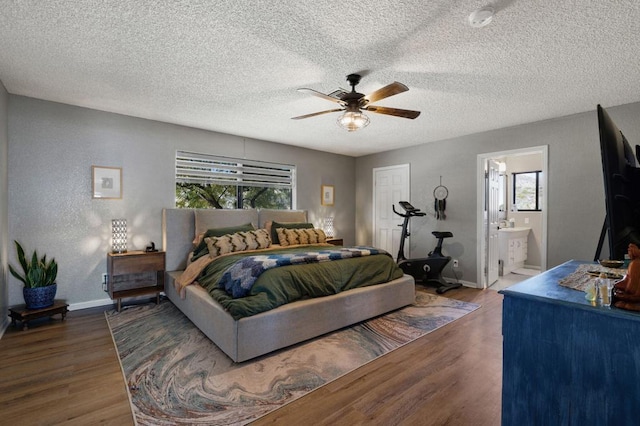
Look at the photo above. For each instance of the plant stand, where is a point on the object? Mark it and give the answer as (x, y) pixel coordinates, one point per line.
(21, 313)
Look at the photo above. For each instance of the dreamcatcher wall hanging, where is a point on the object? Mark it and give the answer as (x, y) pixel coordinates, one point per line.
(440, 194)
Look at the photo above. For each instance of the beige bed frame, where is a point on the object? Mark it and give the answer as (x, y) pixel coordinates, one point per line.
(278, 328)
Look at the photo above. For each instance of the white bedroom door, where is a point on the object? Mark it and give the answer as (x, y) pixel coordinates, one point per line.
(493, 191)
(390, 185)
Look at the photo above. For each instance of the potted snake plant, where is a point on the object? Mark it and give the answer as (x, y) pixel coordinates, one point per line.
(38, 277)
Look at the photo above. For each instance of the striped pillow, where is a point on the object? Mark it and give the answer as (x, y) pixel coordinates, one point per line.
(290, 237)
(240, 241)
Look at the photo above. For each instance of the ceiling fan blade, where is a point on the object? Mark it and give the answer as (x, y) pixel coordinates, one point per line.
(300, 117)
(404, 113)
(386, 91)
(319, 94)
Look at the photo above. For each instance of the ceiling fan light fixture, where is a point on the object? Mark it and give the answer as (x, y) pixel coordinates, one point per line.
(352, 103)
(481, 17)
(353, 120)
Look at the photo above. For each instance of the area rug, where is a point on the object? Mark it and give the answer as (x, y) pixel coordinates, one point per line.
(177, 376)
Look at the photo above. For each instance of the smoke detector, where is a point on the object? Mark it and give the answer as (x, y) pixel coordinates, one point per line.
(481, 17)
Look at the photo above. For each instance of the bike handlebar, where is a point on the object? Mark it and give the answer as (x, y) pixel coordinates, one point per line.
(409, 213)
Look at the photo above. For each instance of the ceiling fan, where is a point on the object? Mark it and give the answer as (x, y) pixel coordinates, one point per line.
(353, 103)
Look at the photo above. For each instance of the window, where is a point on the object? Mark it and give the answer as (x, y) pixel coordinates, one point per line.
(527, 194)
(211, 182)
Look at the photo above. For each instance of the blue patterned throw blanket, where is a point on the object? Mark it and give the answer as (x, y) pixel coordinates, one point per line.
(239, 278)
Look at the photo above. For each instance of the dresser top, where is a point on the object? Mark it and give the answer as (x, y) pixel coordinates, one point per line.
(545, 287)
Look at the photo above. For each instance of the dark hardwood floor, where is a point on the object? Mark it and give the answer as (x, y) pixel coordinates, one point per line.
(452, 376)
(67, 373)
(62, 373)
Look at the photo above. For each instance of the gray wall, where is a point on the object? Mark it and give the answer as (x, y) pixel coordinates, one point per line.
(576, 191)
(52, 148)
(4, 212)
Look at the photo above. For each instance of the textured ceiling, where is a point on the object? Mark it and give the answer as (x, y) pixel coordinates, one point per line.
(234, 66)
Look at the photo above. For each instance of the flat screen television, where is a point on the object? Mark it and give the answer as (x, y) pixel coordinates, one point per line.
(621, 188)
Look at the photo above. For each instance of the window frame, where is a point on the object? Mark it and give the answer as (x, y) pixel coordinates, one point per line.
(538, 201)
(207, 169)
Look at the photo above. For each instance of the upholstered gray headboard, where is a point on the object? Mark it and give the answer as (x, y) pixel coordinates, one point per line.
(180, 227)
(177, 225)
(282, 216)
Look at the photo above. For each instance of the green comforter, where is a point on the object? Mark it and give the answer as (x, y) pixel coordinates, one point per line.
(278, 286)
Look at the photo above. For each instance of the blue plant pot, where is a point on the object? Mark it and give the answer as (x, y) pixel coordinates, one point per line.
(39, 297)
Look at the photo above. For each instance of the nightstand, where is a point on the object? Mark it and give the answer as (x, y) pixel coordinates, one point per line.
(135, 273)
(335, 241)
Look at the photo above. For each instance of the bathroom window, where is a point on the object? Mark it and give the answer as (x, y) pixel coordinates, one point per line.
(527, 193)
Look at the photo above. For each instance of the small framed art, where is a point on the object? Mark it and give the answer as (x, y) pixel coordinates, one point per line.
(106, 182)
(327, 195)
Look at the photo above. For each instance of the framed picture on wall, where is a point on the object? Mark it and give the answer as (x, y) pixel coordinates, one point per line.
(327, 195)
(106, 182)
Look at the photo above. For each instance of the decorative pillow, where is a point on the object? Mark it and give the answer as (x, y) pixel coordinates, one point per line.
(316, 236)
(290, 237)
(288, 225)
(239, 241)
(219, 245)
(201, 245)
(251, 240)
(267, 226)
(263, 240)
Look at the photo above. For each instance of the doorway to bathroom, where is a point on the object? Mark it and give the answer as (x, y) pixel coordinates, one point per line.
(511, 215)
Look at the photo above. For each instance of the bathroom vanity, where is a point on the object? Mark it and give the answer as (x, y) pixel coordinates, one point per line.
(512, 243)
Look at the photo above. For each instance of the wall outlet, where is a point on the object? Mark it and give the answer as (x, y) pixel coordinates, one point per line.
(526, 220)
(455, 263)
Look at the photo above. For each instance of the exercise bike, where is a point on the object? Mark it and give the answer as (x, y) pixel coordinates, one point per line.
(426, 270)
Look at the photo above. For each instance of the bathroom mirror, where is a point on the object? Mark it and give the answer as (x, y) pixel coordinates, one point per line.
(502, 196)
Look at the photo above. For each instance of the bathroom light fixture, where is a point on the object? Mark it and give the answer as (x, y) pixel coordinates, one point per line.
(353, 120)
(119, 235)
(481, 17)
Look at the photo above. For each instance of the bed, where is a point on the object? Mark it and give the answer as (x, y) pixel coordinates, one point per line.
(252, 336)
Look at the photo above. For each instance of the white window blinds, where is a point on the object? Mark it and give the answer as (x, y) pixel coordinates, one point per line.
(206, 169)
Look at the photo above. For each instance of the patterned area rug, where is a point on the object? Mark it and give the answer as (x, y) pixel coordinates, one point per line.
(177, 376)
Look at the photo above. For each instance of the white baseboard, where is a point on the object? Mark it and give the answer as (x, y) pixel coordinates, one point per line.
(469, 284)
(90, 304)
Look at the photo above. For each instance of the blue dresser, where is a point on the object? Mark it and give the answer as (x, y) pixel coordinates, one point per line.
(566, 361)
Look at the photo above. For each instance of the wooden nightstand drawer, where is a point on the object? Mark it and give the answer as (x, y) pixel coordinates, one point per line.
(136, 262)
(135, 273)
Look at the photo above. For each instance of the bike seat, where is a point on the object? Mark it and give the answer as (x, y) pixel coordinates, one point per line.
(445, 234)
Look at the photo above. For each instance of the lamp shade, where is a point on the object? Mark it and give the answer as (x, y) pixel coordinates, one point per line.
(119, 235)
(329, 230)
(353, 120)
